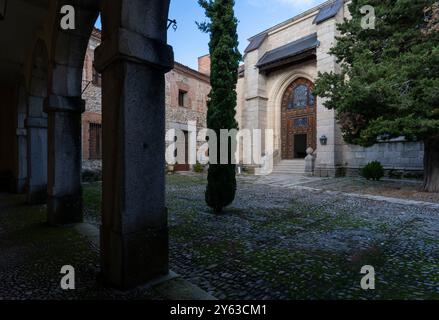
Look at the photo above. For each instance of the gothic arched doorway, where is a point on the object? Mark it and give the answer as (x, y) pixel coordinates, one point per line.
(298, 119)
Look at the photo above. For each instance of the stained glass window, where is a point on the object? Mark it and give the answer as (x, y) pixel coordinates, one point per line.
(299, 97)
(312, 99)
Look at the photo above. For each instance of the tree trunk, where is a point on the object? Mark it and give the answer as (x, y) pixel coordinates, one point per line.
(431, 165)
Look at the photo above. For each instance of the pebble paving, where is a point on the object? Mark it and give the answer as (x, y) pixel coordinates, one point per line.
(278, 242)
(32, 255)
(274, 242)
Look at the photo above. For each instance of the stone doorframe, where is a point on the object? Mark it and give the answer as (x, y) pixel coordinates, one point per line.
(274, 108)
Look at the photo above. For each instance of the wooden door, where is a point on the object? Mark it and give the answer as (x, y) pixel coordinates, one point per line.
(185, 165)
(298, 118)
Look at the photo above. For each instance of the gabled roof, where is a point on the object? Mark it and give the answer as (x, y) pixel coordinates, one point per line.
(241, 70)
(317, 8)
(329, 11)
(256, 42)
(288, 51)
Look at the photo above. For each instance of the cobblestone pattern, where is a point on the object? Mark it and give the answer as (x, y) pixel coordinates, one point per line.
(32, 254)
(280, 243)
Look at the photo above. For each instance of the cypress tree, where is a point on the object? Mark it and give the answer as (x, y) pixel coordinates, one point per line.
(388, 86)
(225, 58)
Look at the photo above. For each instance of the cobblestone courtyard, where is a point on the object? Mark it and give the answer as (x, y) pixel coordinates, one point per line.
(277, 241)
(280, 243)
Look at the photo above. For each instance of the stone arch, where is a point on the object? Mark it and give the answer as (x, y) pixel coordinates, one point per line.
(275, 103)
(69, 48)
(36, 124)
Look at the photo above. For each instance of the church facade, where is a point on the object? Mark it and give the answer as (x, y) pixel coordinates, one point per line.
(274, 92)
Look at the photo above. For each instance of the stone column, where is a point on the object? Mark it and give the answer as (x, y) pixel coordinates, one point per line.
(133, 59)
(64, 159)
(21, 149)
(36, 125)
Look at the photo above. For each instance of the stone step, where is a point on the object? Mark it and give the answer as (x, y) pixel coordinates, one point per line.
(299, 170)
(299, 173)
(299, 166)
(290, 167)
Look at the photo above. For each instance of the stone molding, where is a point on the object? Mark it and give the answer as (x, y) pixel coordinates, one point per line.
(132, 46)
(36, 122)
(55, 103)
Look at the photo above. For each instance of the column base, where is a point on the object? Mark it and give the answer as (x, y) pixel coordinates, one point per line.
(64, 210)
(20, 186)
(37, 195)
(250, 169)
(132, 260)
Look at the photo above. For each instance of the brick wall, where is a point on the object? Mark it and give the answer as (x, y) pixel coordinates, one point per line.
(204, 64)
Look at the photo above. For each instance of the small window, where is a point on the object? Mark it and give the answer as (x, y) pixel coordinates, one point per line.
(182, 98)
(97, 79)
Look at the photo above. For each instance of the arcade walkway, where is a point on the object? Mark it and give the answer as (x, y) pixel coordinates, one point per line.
(41, 69)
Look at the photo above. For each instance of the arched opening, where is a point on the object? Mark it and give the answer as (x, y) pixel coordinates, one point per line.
(298, 121)
(36, 125)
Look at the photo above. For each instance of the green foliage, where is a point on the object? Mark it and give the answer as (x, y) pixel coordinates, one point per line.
(198, 168)
(389, 81)
(225, 57)
(373, 171)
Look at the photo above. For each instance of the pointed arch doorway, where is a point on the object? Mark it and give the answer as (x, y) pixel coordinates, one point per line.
(298, 119)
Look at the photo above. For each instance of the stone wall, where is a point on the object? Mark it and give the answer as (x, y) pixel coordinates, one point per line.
(394, 156)
(93, 98)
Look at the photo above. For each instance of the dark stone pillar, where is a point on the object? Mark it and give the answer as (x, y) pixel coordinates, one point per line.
(133, 59)
(36, 124)
(21, 165)
(64, 160)
(21, 149)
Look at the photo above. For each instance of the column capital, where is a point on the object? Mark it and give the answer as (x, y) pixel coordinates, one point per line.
(128, 45)
(55, 103)
(21, 132)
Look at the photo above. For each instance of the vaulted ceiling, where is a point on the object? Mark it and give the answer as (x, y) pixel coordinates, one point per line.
(17, 31)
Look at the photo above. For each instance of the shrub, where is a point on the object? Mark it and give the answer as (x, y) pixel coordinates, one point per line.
(199, 168)
(373, 171)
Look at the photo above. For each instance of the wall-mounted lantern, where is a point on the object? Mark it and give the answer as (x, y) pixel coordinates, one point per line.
(3, 4)
(173, 24)
(323, 140)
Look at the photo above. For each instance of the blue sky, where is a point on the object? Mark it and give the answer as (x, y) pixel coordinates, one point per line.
(254, 16)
